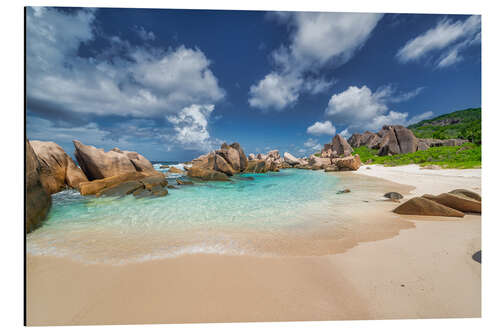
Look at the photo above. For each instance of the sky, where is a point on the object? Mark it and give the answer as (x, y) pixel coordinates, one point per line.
(174, 84)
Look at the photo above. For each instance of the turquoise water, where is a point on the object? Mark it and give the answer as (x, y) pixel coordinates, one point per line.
(241, 216)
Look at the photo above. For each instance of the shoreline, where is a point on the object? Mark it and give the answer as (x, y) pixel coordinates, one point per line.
(423, 272)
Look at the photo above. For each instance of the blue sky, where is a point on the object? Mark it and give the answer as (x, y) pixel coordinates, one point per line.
(173, 84)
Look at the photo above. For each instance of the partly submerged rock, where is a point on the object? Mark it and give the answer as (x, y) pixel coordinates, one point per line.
(184, 182)
(175, 170)
(121, 189)
(426, 207)
(458, 202)
(344, 191)
(256, 166)
(152, 181)
(98, 185)
(38, 201)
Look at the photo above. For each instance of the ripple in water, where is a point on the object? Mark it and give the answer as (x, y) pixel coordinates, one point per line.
(244, 216)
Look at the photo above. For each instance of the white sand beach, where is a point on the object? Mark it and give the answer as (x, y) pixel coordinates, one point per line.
(422, 272)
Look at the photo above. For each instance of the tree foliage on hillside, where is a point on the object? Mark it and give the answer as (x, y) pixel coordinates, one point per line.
(463, 124)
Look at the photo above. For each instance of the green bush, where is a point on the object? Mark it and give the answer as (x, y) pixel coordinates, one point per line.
(466, 156)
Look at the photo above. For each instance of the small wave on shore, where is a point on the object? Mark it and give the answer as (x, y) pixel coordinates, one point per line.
(292, 212)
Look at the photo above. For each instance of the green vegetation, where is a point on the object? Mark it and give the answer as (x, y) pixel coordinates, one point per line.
(466, 156)
(463, 124)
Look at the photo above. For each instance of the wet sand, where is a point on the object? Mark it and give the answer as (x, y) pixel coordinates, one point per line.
(422, 270)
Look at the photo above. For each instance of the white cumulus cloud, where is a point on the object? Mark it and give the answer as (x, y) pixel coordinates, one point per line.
(359, 108)
(448, 36)
(317, 40)
(322, 128)
(191, 127)
(123, 81)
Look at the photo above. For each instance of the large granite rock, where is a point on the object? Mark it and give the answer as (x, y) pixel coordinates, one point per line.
(320, 162)
(243, 157)
(340, 146)
(98, 164)
(290, 159)
(230, 156)
(389, 143)
(206, 174)
(371, 140)
(57, 169)
(98, 185)
(406, 139)
(458, 202)
(349, 163)
(138, 183)
(222, 165)
(38, 201)
(257, 166)
(426, 207)
(355, 140)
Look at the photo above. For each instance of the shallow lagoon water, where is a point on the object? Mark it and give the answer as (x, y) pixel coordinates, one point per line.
(245, 216)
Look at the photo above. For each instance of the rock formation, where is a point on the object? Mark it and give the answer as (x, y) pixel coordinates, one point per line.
(426, 207)
(98, 164)
(455, 203)
(57, 169)
(291, 160)
(38, 201)
(219, 164)
(467, 193)
(349, 163)
(397, 139)
(458, 202)
(339, 147)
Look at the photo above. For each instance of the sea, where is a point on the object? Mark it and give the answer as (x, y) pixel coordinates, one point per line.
(288, 212)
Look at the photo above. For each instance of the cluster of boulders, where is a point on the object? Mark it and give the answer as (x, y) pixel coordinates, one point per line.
(114, 173)
(397, 139)
(117, 173)
(220, 164)
(454, 204)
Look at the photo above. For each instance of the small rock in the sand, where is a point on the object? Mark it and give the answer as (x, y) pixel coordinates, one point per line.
(368, 168)
(402, 285)
(183, 182)
(344, 191)
(394, 196)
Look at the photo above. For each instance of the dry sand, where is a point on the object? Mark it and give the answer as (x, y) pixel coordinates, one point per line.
(424, 272)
